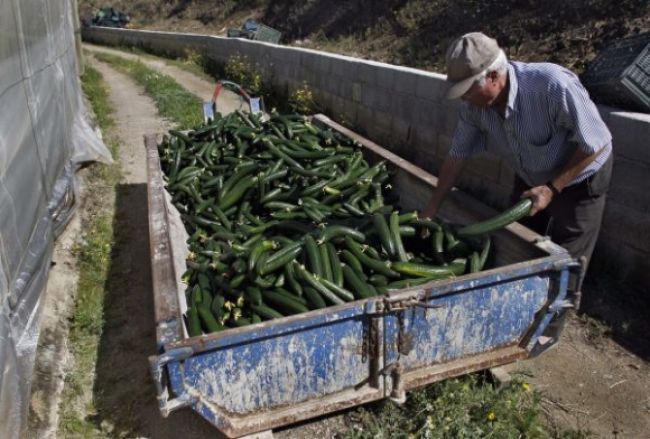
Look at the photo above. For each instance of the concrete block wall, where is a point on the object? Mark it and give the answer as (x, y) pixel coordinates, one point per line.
(404, 109)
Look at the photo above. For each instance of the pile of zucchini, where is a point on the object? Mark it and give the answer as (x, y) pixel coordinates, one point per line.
(286, 217)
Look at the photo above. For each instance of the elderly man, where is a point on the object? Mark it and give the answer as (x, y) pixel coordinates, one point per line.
(539, 119)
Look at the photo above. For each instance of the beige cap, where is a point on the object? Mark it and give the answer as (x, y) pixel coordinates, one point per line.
(466, 58)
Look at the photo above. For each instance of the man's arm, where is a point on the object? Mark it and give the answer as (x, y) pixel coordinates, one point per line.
(542, 195)
(449, 172)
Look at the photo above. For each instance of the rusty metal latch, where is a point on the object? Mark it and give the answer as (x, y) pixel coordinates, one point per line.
(156, 365)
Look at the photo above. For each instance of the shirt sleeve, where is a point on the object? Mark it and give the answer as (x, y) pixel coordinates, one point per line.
(577, 113)
(467, 138)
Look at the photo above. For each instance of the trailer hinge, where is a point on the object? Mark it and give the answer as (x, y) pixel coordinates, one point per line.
(156, 365)
(371, 349)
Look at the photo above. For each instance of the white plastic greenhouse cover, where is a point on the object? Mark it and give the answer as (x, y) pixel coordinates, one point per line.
(43, 136)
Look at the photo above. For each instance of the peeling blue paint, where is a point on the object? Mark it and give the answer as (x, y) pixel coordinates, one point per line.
(242, 373)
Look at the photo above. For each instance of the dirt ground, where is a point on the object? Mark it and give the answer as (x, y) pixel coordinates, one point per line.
(587, 384)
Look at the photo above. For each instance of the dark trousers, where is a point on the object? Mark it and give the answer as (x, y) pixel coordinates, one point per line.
(573, 217)
(572, 220)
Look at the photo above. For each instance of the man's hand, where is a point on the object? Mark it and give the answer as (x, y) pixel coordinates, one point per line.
(541, 196)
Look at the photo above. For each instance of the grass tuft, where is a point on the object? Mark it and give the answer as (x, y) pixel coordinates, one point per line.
(465, 407)
(173, 101)
(93, 252)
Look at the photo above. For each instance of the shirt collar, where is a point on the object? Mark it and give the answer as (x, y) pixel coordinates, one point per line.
(512, 92)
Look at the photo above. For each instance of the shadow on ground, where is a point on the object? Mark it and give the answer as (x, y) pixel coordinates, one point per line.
(619, 311)
(124, 393)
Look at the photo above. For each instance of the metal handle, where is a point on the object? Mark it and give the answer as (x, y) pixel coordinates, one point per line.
(156, 365)
(577, 269)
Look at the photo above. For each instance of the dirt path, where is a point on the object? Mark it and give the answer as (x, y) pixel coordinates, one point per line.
(591, 383)
(124, 393)
(201, 87)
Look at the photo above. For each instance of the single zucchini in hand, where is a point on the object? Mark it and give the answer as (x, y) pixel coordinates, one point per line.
(515, 213)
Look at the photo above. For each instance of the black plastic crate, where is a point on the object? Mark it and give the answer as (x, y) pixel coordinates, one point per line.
(620, 75)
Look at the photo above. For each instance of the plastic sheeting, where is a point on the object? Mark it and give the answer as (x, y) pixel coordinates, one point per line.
(43, 136)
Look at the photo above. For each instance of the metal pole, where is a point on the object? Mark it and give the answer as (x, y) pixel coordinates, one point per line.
(77, 38)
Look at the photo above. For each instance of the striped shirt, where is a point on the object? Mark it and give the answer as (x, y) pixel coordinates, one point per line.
(548, 115)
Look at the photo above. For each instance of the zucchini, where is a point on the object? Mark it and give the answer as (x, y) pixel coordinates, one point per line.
(513, 214)
(216, 307)
(382, 267)
(315, 283)
(253, 295)
(290, 295)
(378, 280)
(314, 300)
(282, 257)
(358, 287)
(335, 264)
(485, 251)
(397, 237)
(235, 194)
(422, 270)
(193, 322)
(266, 312)
(381, 228)
(352, 261)
(313, 256)
(290, 275)
(334, 231)
(208, 322)
(474, 262)
(325, 261)
(282, 303)
(339, 291)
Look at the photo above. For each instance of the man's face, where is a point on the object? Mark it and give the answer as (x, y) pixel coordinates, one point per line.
(484, 95)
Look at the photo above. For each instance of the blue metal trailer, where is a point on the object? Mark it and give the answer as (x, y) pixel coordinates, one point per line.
(256, 378)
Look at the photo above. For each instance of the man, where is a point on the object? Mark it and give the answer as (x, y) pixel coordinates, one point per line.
(539, 119)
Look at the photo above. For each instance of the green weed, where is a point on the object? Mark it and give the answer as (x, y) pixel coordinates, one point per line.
(93, 255)
(465, 407)
(173, 101)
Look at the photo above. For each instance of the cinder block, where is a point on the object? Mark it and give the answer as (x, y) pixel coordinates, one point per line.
(405, 107)
(430, 87)
(401, 132)
(366, 73)
(430, 113)
(383, 99)
(382, 120)
(386, 77)
(309, 60)
(282, 70)
(627, 185)
(406, 81)
(324, 64)
(348, 110)
(629, 226)
(330, 83)
(345, 68)
(285, 54)
(630, 133)
(365, 117)
(425, 139)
